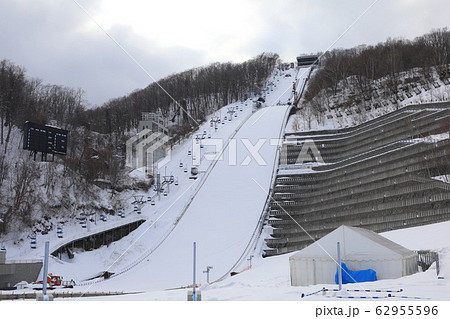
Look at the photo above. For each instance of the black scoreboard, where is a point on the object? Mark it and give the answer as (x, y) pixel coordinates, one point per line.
(44, 138)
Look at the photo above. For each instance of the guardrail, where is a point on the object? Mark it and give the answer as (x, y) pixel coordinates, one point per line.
(56, 294)
(22, 261)
(98, 230)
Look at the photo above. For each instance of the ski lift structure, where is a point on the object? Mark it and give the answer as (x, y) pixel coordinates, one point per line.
(59, 232)
(214, 121)
(194, 172)
(86, 216)
(259, 102)
(199, 138)
(163, 181)
(231, 112)
(138, 203)
(33, 242)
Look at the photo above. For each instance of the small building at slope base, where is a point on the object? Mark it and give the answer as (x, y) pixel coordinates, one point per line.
(360, 249)
(15, 271)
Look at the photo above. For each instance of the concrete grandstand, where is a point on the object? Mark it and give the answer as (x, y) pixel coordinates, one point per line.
(380, 175)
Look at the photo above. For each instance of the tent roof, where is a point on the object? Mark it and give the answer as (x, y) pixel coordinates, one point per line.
(356, 243)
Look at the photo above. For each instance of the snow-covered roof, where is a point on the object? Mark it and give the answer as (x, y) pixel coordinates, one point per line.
(356, 243)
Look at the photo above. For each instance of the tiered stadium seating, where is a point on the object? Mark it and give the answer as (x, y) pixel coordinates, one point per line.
(378, 175)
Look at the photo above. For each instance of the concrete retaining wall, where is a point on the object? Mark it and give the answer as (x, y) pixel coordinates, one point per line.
(13, 272)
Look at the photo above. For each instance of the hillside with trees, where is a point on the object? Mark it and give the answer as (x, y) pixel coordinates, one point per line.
(32, 190)
(187, 97)
(351, 81)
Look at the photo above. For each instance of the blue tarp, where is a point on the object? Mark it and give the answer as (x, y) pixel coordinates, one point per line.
(351, 276)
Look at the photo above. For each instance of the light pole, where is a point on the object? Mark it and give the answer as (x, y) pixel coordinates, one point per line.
(1, 230)
(208, 268)
(250, 260)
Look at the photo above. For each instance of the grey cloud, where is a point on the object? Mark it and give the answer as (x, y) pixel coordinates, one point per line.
(47, 37)
(49, 42)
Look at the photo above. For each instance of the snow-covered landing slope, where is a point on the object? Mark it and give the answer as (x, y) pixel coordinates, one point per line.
(161, 218)
(221, 218)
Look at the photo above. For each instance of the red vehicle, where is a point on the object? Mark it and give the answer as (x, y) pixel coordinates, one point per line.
(53, 281)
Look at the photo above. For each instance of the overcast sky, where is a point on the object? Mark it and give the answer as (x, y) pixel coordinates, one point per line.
(58, 42)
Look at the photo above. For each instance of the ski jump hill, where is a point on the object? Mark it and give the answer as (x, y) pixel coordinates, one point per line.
(222, 210)
(221, 218)
(225, 216)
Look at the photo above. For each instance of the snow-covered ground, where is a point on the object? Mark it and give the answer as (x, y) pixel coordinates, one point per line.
(268, 279)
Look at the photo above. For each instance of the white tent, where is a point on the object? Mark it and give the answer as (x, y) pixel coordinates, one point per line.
(360, 249)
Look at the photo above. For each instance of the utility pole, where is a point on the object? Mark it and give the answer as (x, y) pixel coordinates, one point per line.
(194, 296)
(339, 266)
(165, 175)
(158, 186)
(45, 272)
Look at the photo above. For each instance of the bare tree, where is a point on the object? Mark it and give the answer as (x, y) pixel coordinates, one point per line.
(296, 123)
(22, 198)
(438, 41)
